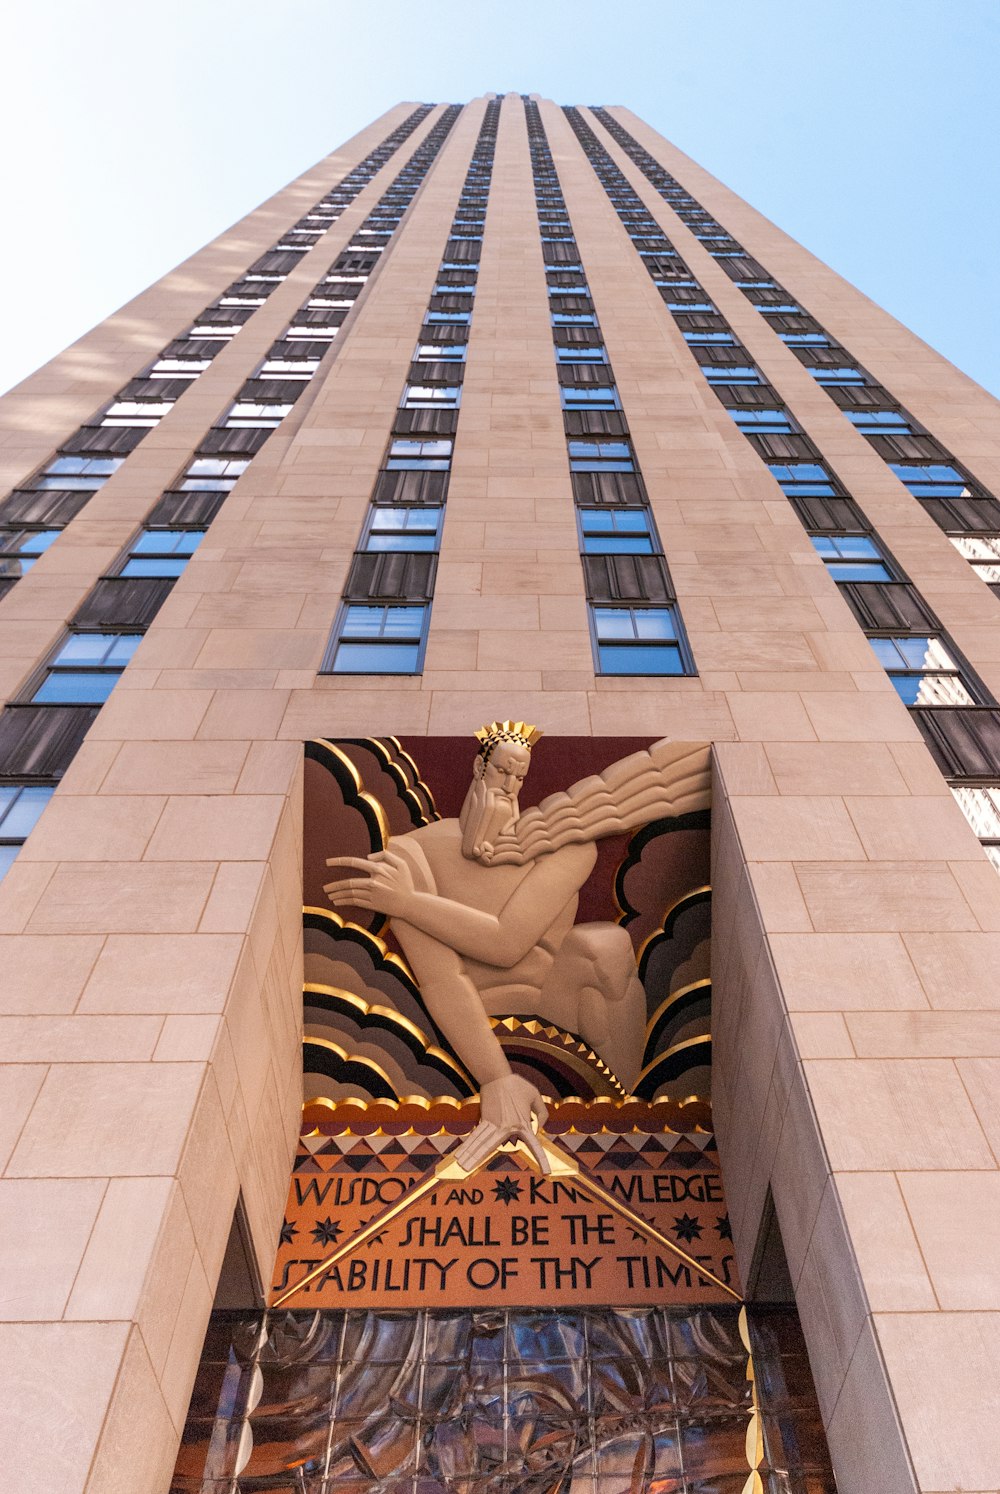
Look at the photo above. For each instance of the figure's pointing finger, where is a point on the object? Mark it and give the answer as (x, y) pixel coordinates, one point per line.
(528, 1136)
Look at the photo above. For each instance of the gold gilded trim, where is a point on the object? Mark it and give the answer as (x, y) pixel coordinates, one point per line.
(664, 1006)
(362, 793)
(449, 1169)
(669, 1052)
(395, 1019)
(345, 1057)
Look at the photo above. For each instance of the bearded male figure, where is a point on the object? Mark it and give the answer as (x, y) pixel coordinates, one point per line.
(484, 908)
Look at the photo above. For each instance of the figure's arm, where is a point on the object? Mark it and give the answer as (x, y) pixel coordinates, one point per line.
(494, 939)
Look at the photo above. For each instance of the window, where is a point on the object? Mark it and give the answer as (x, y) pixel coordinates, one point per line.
(581, 355)
(687, 305)
(762, 422)
(574, 319)
(591, 397)
(419, 456)
(417, 528)
(308, 332)
(222, 334)
(213, 475)
(703, 339)
(936, 480)
(837, 376)
(600, 456)
(288, 368)
(731, 373)
(379, 640)
(803, 479)
(608, 531)
(432, 397)
(448, 317)
(981, 807)
(852, 557)
(162, 552)
(780, 308)
(455, 290)
(880, 422)
(922, 670)
(983, 553)
(85, 669)
(805, 339)
(136, 413)
(244, 416)
(179, 368)
(440, 352)
(79, 472)
(27, 545)
(21, 806)
(638, 640)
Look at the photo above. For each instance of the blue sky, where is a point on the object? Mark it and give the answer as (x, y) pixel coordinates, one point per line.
(134, 132)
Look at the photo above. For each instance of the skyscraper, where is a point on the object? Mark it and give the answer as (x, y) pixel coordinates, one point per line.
(504, 417)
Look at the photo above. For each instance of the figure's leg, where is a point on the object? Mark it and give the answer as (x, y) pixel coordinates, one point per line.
(594, 989)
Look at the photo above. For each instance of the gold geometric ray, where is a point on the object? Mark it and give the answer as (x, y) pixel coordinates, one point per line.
(449, 1170)
(393, 1019)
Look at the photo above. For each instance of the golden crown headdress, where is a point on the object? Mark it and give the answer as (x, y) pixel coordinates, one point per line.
(506, 731)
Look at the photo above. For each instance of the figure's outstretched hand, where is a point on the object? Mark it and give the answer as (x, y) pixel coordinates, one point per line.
(507, 1107)
(386, 888)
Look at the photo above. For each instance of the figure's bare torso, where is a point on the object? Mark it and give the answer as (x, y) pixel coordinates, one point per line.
(489, 888)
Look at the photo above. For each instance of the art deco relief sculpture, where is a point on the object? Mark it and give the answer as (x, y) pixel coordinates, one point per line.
(484, 908)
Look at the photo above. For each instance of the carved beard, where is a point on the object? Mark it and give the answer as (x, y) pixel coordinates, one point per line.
(486, 814)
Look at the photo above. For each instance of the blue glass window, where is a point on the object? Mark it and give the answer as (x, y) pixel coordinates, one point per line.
(21, 806)
(592, 397)
(420, 456)
(936, 480)
(581, 355)
(440, 352)
(806, 479)
(26, 546)
(703, 339)
(162, 552)
(879, 422)
(214, 474)
(921, 670)
(837, 376)
(380, 640)
(638, 640)
(609, 531)
(79, 472)
(732, 373)
(805, 339)
(393, 528)
(432, 396)
(762, 422)
(85, 668)
(852, 557)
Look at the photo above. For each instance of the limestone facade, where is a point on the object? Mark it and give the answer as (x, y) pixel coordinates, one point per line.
(150, 930)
